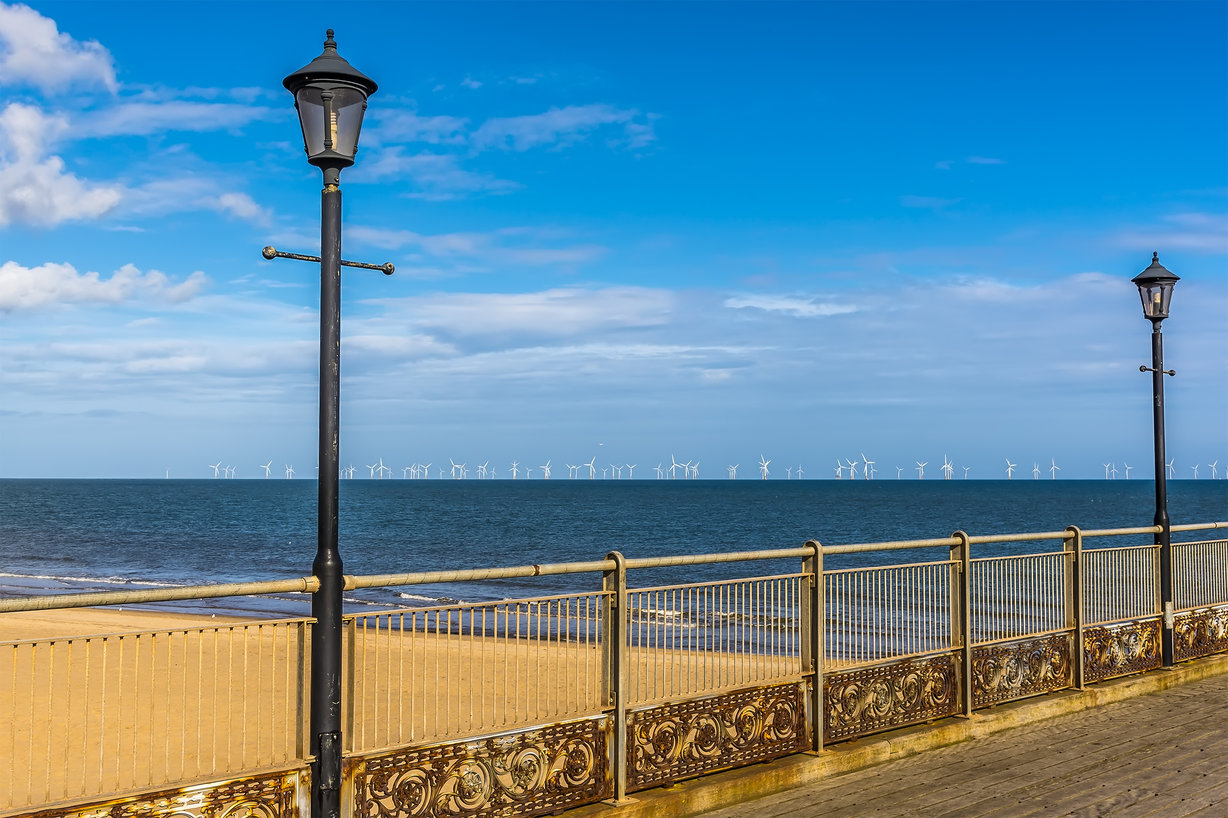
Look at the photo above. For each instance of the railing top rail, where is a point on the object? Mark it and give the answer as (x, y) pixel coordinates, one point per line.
(213, 625)
(475, 606)
(477, 574)
(46, 602)
(736, 556)
(979, 539)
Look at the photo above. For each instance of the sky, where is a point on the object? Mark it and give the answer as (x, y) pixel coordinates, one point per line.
(717, 232)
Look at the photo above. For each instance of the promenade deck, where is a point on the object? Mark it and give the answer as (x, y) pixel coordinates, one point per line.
(1162, 754)
(1154, 744)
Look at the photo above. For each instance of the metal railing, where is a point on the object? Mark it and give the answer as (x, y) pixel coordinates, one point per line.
(95, 715)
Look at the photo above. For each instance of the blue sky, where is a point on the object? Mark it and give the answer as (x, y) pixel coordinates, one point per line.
(801, 231)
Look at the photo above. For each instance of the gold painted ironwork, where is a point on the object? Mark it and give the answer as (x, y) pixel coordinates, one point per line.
(1119, 650)
(1018, 669)
(1201, 632)
(686, 739)
(532, 772)
(267, 796)
(885, 696)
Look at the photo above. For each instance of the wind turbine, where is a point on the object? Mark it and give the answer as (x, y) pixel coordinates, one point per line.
(631, 470)
(1127, 467)
(1213, 472)
(868, 469)
(966, 468)
(799, 471)
(852, 468)
(947, 468)
(426, 471)
(899, 470)
(660, 471)
(383, 468)
(1054, 468)
(266, 468)
(673, 468)
(839, 469)
(763, 467)
(1106, 470)
(546, 471)
(618, 471)
(528, 473)
(215, 467)
(289, 472)
(515, 469)
(733, 472)
(1171, 470)
(592, 468)
(788, 472)
(695, 471)
(371, 466)
(921, 469)
(455, 468)
(1195, 468)
(482, 470)
(1010, 468)
(1035, 470)
(1114, 470)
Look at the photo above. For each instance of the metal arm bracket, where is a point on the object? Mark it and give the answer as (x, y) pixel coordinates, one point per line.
(271, 253)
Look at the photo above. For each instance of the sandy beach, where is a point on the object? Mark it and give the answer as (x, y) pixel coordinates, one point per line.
(98, 700)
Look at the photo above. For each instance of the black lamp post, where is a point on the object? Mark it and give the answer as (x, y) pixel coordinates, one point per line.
(331, 97)
(1155, 286)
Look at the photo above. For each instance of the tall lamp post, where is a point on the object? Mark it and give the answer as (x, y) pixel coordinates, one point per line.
(1155, 286)
(331, 97)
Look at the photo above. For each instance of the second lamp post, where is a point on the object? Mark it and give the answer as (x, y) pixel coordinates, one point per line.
(1155, 286)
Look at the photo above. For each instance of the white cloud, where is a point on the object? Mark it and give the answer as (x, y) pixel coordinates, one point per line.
(555, 312)
(37, 189)
(1201, 232)
(144, 118)
(513, 245)
(797, 306)
(438, 177)
(242, 206)
(33, 51)
(407, 126)
(558, 126)
(471, 83)
(23, 288)
(984, 160)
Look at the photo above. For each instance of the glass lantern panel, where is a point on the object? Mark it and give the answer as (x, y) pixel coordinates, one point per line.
(311, 117)
(346, 120)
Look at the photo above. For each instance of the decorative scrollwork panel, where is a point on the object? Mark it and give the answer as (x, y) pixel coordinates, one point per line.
(864, 701)
(270, 796)
(686, 739)
(1018, 669)
(532, 772)
(1119, 650)
(1200, 633)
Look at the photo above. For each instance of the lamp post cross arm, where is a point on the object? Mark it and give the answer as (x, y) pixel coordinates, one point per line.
(387, 268)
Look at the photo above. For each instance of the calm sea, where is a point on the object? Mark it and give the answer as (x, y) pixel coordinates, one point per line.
(95, 534)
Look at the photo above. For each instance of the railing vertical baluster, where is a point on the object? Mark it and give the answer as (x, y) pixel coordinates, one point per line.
(1073, 545)
(961, 617)
(614, 667)
(813, 639)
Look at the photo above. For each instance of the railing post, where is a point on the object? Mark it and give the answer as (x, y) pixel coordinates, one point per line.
(813, 622)
(614, 668)
(961, 617)
(1073, 545)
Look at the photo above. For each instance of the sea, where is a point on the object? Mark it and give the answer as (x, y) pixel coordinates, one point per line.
(63, 536)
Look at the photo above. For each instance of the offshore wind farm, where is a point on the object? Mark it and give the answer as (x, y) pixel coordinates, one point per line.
(689, 470)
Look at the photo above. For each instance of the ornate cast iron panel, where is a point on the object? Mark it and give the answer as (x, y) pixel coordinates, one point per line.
(685, 739)
(1200, 633)
(878, 698)
(1015, 670)
(271, 796)
(1119, 650)
(531, 772)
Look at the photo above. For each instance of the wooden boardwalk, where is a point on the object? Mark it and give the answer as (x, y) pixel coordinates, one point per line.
(1161, 754)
